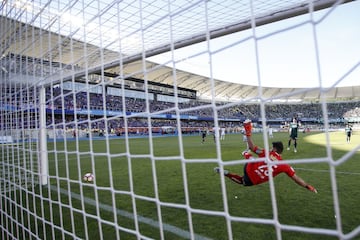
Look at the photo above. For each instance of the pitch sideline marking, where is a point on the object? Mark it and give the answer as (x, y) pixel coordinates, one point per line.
(167, 227)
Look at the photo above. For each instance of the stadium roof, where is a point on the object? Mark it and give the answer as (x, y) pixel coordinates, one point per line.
(51, 39)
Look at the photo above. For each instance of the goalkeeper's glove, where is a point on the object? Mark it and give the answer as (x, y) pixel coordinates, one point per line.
(248, 127)
(311, 188)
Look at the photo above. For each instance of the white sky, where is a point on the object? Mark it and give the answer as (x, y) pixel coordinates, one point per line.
(288, 58)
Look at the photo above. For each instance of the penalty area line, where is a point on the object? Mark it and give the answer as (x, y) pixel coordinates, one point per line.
(326, 171)
(167, 227)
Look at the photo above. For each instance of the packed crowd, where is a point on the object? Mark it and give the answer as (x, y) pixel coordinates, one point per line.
(230, 114)
(199, 108)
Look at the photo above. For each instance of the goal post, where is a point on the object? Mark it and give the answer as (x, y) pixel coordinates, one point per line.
(105, 88)
(43, 154)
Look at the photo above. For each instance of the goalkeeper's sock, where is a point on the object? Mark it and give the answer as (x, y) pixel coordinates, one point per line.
(235, 178)
(248, 128)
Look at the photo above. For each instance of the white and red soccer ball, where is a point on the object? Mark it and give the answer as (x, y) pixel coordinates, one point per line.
(88, 177)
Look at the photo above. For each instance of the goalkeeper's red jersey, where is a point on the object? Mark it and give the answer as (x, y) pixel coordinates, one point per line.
(258, 172)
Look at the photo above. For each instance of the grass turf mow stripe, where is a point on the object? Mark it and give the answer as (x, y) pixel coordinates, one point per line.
(167, 227)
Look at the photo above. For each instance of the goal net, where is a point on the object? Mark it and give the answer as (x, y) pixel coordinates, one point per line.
(134, 93)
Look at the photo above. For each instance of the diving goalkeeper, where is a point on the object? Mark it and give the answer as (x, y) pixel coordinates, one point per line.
(257, 172)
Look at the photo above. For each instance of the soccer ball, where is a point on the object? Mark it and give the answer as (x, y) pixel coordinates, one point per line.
(88, 177)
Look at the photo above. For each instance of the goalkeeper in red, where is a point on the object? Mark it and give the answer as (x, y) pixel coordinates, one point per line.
(257, 172)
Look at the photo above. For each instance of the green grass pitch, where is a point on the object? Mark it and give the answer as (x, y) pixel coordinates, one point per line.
(141, 180)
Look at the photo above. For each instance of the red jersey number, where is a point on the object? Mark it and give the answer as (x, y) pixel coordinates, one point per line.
(263, 172)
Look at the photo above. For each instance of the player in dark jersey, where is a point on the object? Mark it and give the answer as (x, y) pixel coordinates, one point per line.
(257, 172)
(293, 128)
(203, 135)
(348, 131)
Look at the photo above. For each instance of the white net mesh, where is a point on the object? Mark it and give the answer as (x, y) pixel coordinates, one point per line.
(79, 95)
